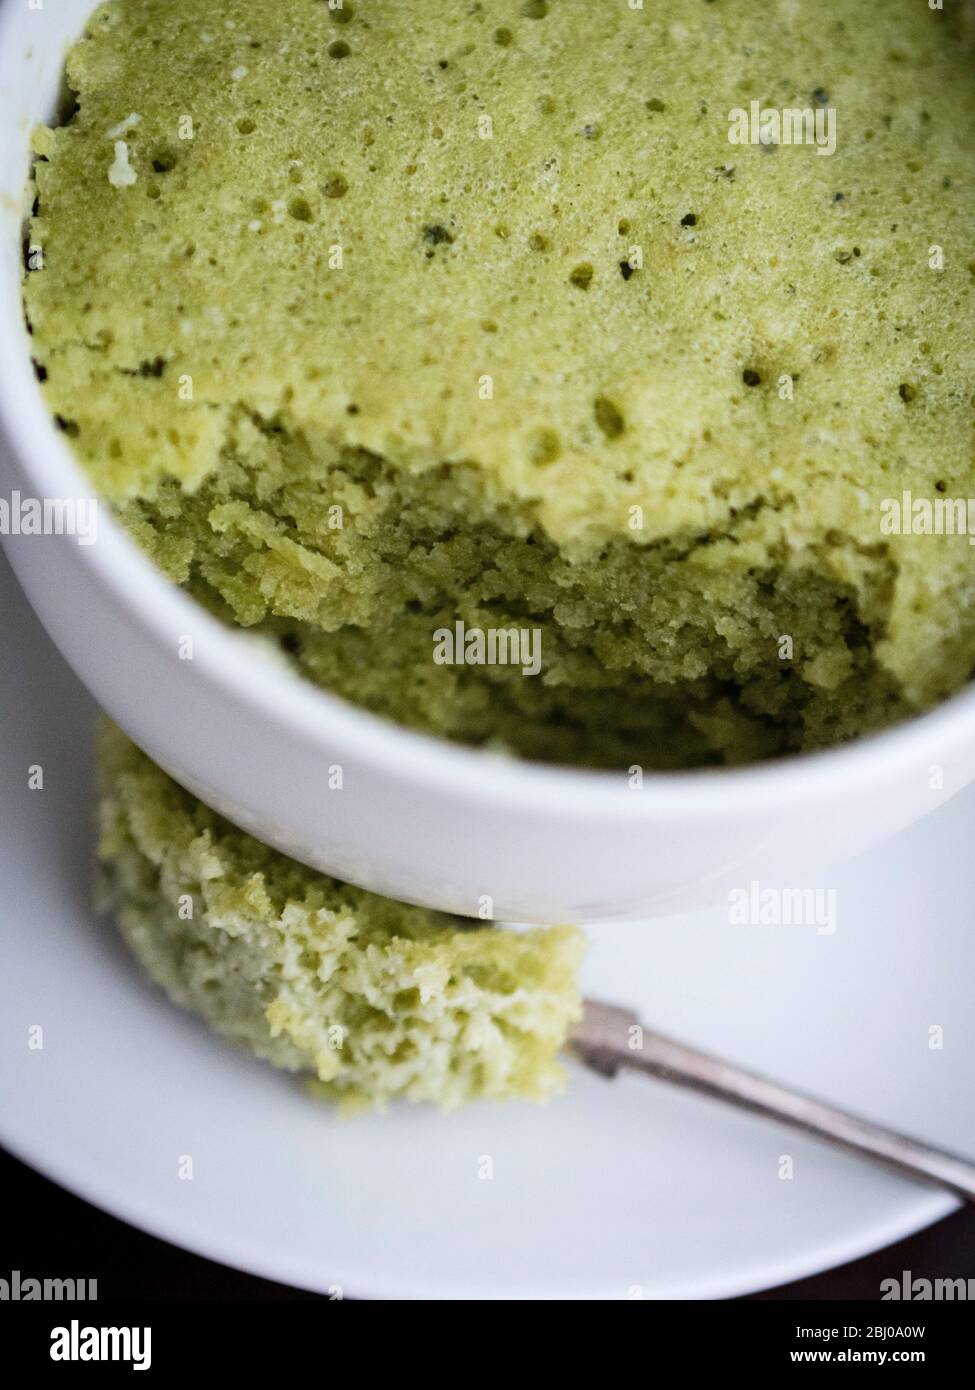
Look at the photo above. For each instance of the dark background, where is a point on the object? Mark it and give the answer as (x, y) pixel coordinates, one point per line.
(46, 1232)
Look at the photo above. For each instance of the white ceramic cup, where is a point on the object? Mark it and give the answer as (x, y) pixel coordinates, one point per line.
(415, 818)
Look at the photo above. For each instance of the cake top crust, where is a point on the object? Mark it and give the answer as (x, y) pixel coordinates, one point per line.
(517, 233)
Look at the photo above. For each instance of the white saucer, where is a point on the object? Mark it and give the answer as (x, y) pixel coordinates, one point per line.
(620, 1189)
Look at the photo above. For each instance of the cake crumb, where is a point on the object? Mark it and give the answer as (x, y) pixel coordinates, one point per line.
(121, 174)
(123, 127)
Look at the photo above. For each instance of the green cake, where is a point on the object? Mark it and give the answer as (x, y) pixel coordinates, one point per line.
(375, 319)
(373, 999)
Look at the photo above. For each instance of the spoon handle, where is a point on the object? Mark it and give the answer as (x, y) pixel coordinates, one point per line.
(611, 1038)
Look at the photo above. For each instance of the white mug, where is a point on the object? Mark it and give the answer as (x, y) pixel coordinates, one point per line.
(403, 814)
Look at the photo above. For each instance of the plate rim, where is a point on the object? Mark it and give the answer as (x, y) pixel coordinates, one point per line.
(136, 1210)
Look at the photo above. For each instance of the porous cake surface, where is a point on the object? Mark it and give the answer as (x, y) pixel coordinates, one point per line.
(373, 319)
(374, 999)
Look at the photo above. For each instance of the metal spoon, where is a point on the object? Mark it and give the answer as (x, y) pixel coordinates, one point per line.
(609, 1038)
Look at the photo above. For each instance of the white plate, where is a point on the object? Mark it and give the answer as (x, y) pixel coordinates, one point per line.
(617, 1190)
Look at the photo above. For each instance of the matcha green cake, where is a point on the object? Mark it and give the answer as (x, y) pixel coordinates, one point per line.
(376, 318)
(373, 999)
